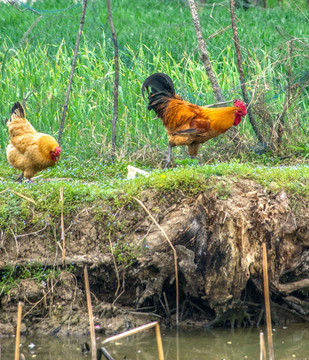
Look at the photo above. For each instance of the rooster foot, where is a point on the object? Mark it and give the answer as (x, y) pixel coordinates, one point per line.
(20, 178)
(169, 157)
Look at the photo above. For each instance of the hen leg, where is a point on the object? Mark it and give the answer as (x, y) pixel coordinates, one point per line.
(20, 177)
(169, 156)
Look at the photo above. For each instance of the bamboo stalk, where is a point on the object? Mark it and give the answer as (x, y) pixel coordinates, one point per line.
(175, 258)
(17, 342)
(267, 304)
(62, 227)
(92, 332)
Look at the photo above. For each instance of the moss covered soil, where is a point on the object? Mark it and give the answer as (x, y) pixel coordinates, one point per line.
(27, 204)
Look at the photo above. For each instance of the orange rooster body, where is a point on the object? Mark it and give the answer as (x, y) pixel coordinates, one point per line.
(29, 150)
(186, 123)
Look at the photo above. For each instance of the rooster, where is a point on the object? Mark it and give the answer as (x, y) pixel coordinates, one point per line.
(29, 150)
(186, 123)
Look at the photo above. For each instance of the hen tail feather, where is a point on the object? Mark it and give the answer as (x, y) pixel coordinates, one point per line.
(17, 110)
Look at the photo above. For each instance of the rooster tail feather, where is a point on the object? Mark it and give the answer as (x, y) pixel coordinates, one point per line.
(18, 110)
(161, 92)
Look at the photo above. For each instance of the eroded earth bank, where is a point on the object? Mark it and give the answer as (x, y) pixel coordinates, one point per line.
(218, 240)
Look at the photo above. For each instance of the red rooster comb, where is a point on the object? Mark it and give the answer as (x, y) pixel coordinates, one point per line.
(241, 105)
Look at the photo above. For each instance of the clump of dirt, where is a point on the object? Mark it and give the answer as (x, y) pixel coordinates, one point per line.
(218, 242)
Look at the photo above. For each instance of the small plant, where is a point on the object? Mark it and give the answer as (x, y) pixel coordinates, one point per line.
(124, 254)
(186, 162)
(10, 276)
(223, 189)
(303, 149)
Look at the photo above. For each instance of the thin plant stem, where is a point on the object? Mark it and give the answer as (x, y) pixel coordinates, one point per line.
(116, 82)
(241, 72)
(17, 342)
(90, 313)
(62, 227)
(66, 103)
(267, 304)
(175, 257)
(204, 53)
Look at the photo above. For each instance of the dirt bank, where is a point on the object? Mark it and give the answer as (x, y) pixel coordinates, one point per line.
(218, 240)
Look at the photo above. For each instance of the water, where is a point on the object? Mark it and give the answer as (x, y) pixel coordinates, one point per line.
(290, 343)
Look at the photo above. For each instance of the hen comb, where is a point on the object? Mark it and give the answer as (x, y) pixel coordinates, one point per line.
(241, 105)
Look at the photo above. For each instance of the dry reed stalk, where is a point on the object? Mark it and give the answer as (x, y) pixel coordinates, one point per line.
(136, 331)
(219, 103)
(92, 332)
(17, 342)
(159, 342)
(23, 196)
(62, 227)
(262, 347)
(115, 266)
(175, 258)
(267, 304)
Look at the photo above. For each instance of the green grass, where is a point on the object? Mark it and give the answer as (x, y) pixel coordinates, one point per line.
(96, 184)
(152, 37)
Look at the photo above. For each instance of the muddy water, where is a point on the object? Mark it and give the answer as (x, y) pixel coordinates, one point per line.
(290, 342)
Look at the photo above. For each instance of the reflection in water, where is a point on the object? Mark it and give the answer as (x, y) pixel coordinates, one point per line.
(291, 342)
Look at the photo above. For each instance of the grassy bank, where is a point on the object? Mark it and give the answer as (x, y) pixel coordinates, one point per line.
(153, 36)
(34, 203)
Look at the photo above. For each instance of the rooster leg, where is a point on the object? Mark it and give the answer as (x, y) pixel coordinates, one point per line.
(20, 177)
(169, 156)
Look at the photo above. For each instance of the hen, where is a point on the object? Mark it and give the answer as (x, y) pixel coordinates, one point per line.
(186, 123)
(29, 150)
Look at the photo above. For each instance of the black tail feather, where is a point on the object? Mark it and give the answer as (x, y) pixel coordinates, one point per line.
(161, 91)
(18, 110)
(159, 83)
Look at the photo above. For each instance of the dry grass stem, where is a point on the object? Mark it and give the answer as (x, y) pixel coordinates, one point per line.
(17, 342)
(267, 304)
(175, 257)
(262, 347)
(92, 331)
(62, 227)
(115, 265)
(136, 331)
